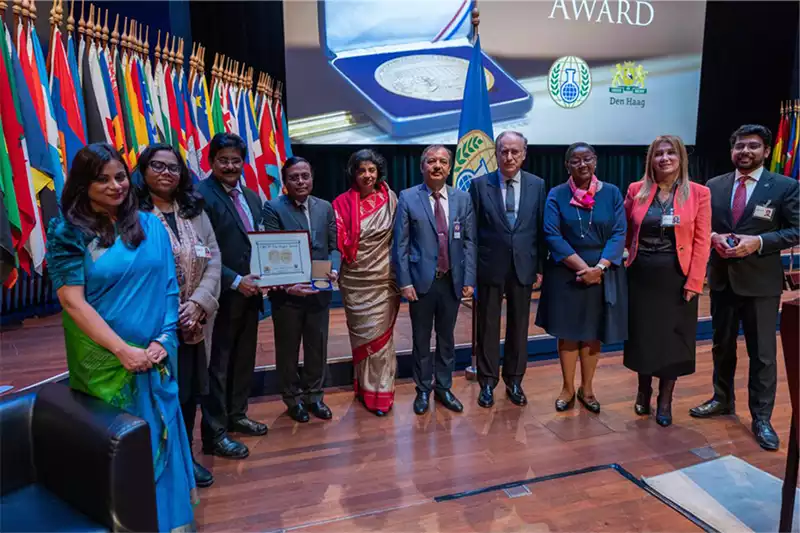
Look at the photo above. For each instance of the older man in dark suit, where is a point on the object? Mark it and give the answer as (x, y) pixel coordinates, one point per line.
(434, 258)
(234, 210)
(754, 215)
(509, 209)
(301, 313)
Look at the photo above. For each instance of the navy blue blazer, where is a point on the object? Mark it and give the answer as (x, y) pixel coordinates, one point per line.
(416, 245)
(499, 245)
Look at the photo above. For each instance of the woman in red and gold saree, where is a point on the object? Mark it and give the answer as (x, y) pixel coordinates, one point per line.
(364, 221)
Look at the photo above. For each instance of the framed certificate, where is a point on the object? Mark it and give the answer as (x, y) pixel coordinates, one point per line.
(280, 257)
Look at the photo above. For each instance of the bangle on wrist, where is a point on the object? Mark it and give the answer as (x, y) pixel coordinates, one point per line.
(602, 267)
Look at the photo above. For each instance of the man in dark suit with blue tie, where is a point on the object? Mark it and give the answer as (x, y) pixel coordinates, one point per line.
(233, 210)
(754, 215)
(509, 209)
(300, 313)
(434, 258)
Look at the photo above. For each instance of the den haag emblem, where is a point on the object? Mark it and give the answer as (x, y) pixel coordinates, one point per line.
(569, 81)
(628, 78)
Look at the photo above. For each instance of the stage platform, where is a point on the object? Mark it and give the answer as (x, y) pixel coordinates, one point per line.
(441, 471)
(34, 352)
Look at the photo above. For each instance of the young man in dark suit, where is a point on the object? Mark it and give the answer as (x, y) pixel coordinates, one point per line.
(754, 216)
(234, 211)
(300, 313)
(434, 258)
(509, 209)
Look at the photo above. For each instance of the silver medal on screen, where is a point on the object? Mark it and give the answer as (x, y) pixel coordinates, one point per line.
(435, 78)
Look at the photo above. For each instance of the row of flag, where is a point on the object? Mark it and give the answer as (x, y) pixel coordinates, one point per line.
(102, 86)
(785, 159)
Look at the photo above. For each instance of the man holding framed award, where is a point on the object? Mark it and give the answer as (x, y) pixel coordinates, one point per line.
(233, 210)
(301, 311)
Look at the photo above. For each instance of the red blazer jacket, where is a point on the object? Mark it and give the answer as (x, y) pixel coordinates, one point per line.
(692, 234)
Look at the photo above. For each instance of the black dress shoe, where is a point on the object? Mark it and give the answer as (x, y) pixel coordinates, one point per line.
(642, 405)
(765, 435)
(202, 477)
(447, 399)
(298, 413)
(226, 447)
(245, 426)
(664, 416)
(592, 405)
(320, 410)
(563, 405)
(711, 408)
(486, 397)
(421, 402)
(516, 394)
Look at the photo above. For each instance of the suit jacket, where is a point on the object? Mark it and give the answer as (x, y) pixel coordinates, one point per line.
(283, 214)
(234, 244)
(692, 234)
(501, 246)
(759, 274)
(416, 243)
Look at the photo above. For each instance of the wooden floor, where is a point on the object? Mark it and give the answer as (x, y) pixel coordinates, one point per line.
(363, 473)
(35, 351)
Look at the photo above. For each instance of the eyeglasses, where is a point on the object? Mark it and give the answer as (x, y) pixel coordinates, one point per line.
(160, 167)
(229, 162)
(505, 152)
(588, 161)
(752, 146)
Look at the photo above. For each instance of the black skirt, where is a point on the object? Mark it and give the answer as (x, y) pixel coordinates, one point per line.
(192, 371)
(662, 326)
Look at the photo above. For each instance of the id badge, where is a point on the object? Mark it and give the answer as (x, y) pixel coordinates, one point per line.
(669, 221)
(764, 213)
(456, 229)
(202, 251)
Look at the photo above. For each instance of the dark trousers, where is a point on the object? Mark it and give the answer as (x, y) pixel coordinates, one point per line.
(758, 316)
(292, 324)
(233, 359)
(436, 308)
(192, 381)
(518, 310)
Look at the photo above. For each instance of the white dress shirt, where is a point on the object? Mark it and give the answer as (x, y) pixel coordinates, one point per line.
(517, 181)
(750, 186)
(445, 204)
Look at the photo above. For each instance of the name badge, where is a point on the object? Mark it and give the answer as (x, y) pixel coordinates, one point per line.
(456, 229)
(669, 221)
(763, 212)
(202, 251)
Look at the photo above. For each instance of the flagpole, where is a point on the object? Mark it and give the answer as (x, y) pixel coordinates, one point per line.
(471, 372)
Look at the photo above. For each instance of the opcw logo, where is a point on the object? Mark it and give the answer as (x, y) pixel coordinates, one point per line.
(628, 78)
(569, 81)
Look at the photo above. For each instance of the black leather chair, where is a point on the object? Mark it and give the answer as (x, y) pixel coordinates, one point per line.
(70, 462)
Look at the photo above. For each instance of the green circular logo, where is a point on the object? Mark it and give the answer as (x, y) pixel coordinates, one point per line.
(569, 81)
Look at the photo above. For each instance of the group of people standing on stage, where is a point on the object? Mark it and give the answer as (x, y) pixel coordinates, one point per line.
(156, 336)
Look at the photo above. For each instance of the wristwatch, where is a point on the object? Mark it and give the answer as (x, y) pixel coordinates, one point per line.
(602, 267)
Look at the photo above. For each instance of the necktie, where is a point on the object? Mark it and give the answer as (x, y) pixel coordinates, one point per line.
(739, 199)
(443, 261)
(248, 226)
(510, 199)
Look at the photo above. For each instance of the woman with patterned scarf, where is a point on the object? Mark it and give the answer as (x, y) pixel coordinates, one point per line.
(166, 190)
(584, 299)
(364, 221)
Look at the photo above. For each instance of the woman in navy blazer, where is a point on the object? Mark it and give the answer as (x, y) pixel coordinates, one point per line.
(584, 293)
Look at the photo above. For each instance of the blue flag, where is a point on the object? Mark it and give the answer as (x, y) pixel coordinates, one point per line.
(475, 151)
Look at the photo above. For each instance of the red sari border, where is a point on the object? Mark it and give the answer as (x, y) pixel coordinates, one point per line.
(373, 400)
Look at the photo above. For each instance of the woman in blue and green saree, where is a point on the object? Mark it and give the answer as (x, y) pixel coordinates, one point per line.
(112, 268)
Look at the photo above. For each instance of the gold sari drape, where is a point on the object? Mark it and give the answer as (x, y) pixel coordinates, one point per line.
(370, 296)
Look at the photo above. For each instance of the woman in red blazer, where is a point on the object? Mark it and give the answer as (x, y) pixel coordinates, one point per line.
(668, 241)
